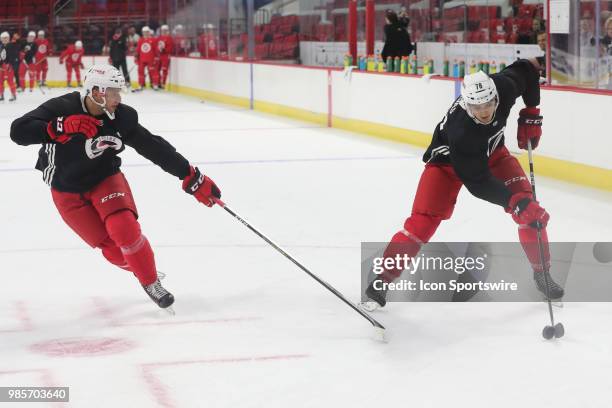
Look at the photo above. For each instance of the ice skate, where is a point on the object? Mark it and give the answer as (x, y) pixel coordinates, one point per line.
(376, 298)
(555, 291)
(160, 295)
(13, 98)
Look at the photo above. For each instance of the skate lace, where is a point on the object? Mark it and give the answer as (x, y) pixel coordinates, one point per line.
(552, 285)
(156, 290)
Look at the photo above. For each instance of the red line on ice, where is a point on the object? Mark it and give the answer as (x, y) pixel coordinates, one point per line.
(161, 392)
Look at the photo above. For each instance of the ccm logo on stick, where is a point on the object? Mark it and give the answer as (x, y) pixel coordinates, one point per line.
(111, 196)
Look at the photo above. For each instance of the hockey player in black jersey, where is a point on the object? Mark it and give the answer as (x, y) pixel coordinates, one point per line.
(468, 149)
(82, 135)
(9, 53)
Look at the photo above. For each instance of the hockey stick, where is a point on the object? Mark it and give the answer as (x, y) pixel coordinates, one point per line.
(299, 265)
(556, 330)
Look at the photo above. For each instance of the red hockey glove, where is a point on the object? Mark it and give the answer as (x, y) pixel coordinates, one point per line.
(64, 128)
(82, 66)
(526, 211)
(529, 127)
(201, 187)
(61, 61)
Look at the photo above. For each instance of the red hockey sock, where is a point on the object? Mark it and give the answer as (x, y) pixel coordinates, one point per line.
(418, 229)
(529, 240)
(124, 230)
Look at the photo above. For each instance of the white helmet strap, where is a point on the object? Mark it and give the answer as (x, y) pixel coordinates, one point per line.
(102, 104)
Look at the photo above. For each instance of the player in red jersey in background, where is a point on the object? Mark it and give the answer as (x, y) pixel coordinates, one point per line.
(147, 56)
(165, 46)
(72, 56)
(43, 50)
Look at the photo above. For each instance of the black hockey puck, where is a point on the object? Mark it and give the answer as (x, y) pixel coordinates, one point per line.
(548, 332)
(559, 330)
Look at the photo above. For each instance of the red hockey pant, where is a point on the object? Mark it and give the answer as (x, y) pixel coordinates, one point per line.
(31, 70)
(42, 68)
(435, 201)
(6, 73)
(152, 73)
(77, 72)
(105, 217)
(164, 66)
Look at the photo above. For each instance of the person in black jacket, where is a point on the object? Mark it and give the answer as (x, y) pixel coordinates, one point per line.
(28, 65)
(8, 54)
(397, 39)
(82, 135)
(118, 51)
(467, 149)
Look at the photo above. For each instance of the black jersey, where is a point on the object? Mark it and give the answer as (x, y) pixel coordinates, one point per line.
(9, 53)
(466, 145)
(29, 49)
(80, 164)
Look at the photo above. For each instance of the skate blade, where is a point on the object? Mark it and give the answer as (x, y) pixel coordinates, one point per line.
(369, 306)
(170, 311)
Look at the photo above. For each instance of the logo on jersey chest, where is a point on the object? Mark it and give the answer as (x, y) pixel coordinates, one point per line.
(146, 47)
(3, 54)
(494, 141)
(42, 48)
(97, 146)
(75, 56)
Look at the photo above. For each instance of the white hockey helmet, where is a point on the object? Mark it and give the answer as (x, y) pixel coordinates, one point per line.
(165, 29)
(5, 36)
(145, 29)
(31, 35)
(102, 76)
(41, 34)
(478, 89)
(78, 44)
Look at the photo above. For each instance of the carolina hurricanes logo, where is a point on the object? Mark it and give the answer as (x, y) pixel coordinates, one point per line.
(494, 141)
(146, 47)
(42, 48)
(211, 44)
(75, 57)
(3, 54)
(96, 147)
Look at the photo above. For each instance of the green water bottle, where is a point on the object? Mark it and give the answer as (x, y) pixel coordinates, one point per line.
(404, 65)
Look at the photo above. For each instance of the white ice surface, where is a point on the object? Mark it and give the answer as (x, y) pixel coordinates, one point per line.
(251, 330)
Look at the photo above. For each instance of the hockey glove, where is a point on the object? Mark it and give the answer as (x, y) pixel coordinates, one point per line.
(64, 128)
(529, 127)
(526, 211)
(201, 187)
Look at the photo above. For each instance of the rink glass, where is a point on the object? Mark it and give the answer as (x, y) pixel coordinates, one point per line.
(315, 32)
